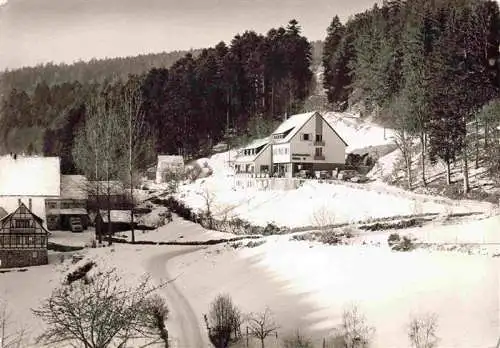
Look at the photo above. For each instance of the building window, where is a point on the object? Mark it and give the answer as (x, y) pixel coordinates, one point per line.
(24, 223)
(319, 137)
(305, 137)
(35, 254)
(319, 152)
(52, 205)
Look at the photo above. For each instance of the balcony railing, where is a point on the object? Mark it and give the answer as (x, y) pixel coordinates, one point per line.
(319, 143)
(319, 158)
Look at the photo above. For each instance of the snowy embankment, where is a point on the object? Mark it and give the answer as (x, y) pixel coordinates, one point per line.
(343, 203)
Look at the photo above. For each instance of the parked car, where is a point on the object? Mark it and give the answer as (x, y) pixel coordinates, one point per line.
(304, 174)
(359, 178)
(325, 174)
(76, 224)
(347, 174)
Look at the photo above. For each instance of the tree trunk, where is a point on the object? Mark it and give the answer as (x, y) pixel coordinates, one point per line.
(448, 172)
(408, 172)
(132, 232)
(466, 173)
(262, 343)
(110, 229)
(476, 145)
(422, 145)
(486, 135)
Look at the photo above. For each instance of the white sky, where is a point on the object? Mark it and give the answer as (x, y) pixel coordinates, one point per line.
(38, 31)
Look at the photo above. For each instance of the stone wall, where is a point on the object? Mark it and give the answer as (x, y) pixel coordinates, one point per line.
(23, 257)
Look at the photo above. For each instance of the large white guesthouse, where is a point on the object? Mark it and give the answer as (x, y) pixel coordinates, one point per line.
(302, 142)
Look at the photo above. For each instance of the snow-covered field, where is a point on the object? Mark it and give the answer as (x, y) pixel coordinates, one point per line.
(390, 287)
(299, 208)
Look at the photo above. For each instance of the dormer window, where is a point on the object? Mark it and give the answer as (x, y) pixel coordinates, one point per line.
(306, 136)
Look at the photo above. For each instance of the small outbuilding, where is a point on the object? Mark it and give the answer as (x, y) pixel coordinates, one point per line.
(167, 165)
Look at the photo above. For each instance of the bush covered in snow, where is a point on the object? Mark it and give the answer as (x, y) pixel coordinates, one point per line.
(397, 243)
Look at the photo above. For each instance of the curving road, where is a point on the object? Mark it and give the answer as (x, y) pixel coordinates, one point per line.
(183, 321)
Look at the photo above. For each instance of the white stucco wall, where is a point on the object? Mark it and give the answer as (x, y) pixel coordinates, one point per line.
(333, 151)
(281, 153)
(264, 159)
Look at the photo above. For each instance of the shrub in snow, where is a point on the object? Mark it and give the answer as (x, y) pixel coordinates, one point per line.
(403, 244)
(422, 331)
(223, 322)
(393, 239)
(79, 273)
(255, 244)
(270, 229)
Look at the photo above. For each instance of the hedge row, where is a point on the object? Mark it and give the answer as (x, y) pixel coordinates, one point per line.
(234, 225)
(193, 243)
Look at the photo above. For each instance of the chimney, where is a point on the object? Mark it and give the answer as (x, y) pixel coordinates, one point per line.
(29, 204)
(286, 115)
(19, 202)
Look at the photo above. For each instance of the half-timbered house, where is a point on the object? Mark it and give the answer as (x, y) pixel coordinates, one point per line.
(23, 239)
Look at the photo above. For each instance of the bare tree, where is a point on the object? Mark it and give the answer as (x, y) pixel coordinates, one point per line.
(134, 129)
(208, 198)
(9, 338)
(97, 148)
(223, 321)
(101, 311)
(422, 331)
(261, 325)
(354, 330)
(323, 219)
(404, 142)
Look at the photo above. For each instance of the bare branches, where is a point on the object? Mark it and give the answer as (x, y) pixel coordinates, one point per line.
(354, 332)
(261, 325)
(9, 338)
(323, 219)
(102, 311)
(422, 331)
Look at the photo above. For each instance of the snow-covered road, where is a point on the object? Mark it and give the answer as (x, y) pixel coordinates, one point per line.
(183, 324)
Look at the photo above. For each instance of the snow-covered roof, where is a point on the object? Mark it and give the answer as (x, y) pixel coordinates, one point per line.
(68, 211)
(74, 186)
(257, 143)
(292, 125)
(250, 158)
(116, 216)
(169, 160)
(30, 176)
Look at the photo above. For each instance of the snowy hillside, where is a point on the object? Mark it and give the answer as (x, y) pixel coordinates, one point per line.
(345, 202)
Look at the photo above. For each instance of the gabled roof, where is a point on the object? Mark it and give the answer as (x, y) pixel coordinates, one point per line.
(22, 208)
(74, 187)
(294, 124)
(30, 176)
(3, 213)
